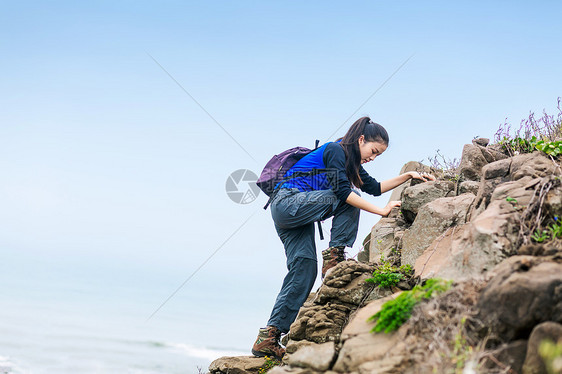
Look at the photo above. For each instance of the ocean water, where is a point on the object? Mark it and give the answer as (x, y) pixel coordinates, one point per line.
(61, 316)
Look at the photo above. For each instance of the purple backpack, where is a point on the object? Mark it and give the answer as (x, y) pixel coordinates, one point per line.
(274, 171)
(276, 168)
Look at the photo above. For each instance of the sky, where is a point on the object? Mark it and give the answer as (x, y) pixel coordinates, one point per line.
(121, 121)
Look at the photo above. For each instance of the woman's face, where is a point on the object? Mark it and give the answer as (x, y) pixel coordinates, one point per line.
(370, 150)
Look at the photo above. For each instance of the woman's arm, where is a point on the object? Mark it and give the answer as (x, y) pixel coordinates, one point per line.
(358, 202)
(397, 181)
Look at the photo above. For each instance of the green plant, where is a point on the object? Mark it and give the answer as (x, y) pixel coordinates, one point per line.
(551, 353)
(388, 275)
(455, 178)
(540, 236)
(552, 232)
(553, 149)
(395, 312)
(462, 351)
(270, 363)
(511, 200)
(520, 145)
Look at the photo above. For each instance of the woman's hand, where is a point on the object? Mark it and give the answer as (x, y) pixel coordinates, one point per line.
(389, 206)
(423, 176)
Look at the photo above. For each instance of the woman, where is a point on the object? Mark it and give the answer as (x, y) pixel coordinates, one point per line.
(304, 200)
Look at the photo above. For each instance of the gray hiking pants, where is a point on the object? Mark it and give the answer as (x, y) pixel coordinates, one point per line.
(294, 214)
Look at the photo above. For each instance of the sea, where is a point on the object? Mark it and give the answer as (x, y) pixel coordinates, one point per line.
(63, 314)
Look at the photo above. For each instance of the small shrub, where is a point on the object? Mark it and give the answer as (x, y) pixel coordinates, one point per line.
(543, 134)
(395, 312)
(270, 363)
(552, 231)
(388, 275)
(440, 162)
(553, 148)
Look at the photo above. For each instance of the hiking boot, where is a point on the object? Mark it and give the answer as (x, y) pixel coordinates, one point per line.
(267, 343)
(331, 257)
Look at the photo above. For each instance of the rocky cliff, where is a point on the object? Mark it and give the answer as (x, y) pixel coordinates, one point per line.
(479, 226)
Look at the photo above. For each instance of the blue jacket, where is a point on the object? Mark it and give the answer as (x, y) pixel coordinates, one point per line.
(329, 156)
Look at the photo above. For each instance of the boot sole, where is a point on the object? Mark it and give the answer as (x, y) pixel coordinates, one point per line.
(261, 354)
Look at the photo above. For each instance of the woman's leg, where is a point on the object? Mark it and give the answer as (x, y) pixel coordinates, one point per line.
(296, 288)
(344, 225)
(301, 263)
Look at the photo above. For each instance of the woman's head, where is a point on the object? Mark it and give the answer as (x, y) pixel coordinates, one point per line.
(363, 142)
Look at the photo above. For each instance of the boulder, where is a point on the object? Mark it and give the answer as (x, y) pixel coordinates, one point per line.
(319, 323)
(365, 253)
(469, 187)
(528, 166)
(481, 141)
(413, 198)
(485, 241)
(315, 356)
(534, 165)
(236, 365)
(472, 162)
(360, 345)
(409, 166)
(534, 363)
(493, 174)
(433, 220)
(436, 260)
(322, 319)
(522, 295)
(382, 239)
(345, 284)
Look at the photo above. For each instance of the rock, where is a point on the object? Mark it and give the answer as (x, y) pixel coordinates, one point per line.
(472, 162)
(294, 345)
(437, 260)
(469, 187)
(409, 166)
(432, 221)
(378, 293)
(510, 355)
(413, 198)
(520, 297)
(353, 294)
(534, 165)
(387, 365)
(322, 319)
(497, 169)
(493, 175)
(481, 141)
(360, 345)
(315, 356)
(487, 239)
(534, 363)
(382, 239)
(363, 256)
(319, 323)
(236, 365)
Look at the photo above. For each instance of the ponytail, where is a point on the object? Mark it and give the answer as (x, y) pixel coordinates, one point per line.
(350, 143)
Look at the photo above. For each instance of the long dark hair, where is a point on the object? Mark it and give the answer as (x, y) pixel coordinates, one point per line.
(373, 132)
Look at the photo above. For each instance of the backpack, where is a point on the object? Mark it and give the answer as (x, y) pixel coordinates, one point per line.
(273, 174)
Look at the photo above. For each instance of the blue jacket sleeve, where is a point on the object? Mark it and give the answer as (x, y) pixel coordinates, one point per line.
(370, 184)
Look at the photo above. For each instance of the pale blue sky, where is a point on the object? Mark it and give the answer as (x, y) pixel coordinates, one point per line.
(107, 164)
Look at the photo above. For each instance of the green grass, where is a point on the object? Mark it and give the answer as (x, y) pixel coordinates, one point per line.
(396, 312)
